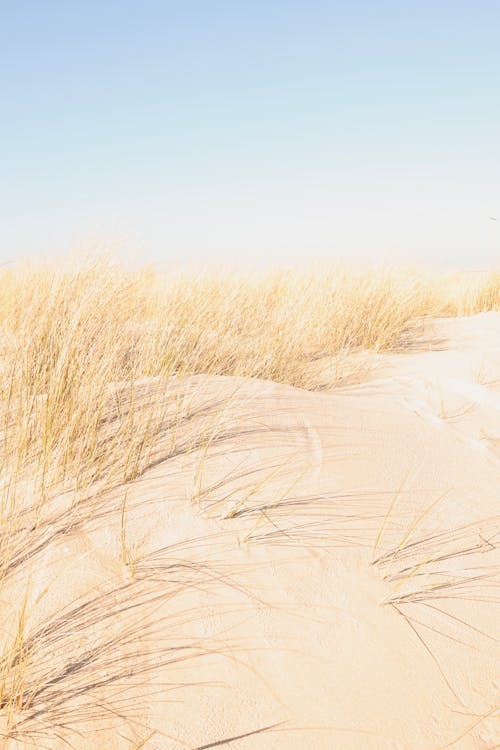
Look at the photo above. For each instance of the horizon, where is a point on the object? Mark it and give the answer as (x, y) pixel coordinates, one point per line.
(271, 135)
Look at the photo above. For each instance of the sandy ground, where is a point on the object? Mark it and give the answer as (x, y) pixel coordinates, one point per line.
(325, 575)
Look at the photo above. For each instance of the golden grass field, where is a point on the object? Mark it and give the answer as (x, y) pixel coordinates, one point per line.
(108, 374)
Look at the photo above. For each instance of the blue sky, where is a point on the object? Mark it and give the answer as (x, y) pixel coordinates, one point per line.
(251, 132)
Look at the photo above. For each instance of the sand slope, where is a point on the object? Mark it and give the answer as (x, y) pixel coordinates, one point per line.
(325, 575)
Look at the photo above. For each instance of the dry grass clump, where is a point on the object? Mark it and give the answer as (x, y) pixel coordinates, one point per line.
(273, 325)
(469, 293)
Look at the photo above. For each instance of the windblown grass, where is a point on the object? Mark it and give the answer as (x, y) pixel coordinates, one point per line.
(78, 420)
(75, 345)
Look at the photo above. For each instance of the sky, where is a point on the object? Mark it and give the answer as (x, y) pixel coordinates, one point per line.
(270, 132)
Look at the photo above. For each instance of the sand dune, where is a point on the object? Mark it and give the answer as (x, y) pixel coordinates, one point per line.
(325, 575)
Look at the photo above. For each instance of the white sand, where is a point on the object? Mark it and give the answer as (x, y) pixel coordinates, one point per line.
(328, 570)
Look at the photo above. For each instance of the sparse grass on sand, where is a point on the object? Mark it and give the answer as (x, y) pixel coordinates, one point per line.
(76, 345)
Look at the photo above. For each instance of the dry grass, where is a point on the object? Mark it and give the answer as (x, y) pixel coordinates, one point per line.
(68, 338)
(74, 346)
(78, 420)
